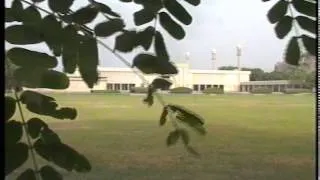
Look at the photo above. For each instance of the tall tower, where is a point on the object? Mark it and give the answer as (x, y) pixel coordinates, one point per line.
(213, 58)
(239, 52)
(187, 57)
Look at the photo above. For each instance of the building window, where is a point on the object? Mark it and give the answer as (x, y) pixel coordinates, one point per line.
(116, 86)
(131, 85)
(215, 86)
(202, 87)
(196, 87)
(209, 86)
(124, 87)
(109, 86)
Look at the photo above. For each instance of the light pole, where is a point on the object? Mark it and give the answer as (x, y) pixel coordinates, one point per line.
(213, 58)
(239, 51)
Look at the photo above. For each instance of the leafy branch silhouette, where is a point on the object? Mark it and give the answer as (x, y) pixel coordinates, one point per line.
(66, 34)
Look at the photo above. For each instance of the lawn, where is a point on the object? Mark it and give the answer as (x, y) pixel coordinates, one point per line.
(268, 137)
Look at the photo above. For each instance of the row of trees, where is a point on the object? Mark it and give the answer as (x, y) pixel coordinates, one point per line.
(305, 72)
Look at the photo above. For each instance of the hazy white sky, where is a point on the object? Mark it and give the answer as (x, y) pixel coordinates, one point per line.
(218, 24)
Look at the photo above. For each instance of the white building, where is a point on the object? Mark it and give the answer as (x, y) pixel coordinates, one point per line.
(124, 78)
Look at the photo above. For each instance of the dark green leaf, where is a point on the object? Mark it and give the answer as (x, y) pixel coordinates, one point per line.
(160, 47)
(184, 136)
(49, 137)
(283, 27)
(108, 28)
(163, 117)
(126, 1)
(149, 98)
(84, 15)
(31, 15)
(61, 6)
(143, 16)
(35, 125)
(53, 33)
(10, 107)
(149, 64)
(15, 156)
(305, 7)
(145, 37)
(41, 78)
(178, 11)
(37, 1)
(88, 61)
(307, 24)
(160, 83)
(16, 9)
(45, 105)
(292, 55)
(106, 9)
(278, 11)
(30, 78)
(49, 173)
(70, 49)
(29, 59)
(70, 113)
(173, 28)
(192, 151)
(22, 35)
(193, 119)
(310, 44)
(44, 150)
(9, 17)
(13, 132)
(52, 79)
(126, 41)
(193, 2)
(82, 164)
(173, 137)
(28, 174)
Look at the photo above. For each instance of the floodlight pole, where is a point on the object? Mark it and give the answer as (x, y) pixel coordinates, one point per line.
(239, 51)
(213, 58)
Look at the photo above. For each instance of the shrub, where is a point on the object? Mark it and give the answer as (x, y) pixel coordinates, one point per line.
(181, 90)
(296, 91)
(105, 91)
(139, 90)
(261, 90)
(213, 90)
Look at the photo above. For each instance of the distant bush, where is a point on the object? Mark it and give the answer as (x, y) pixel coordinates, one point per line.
(181, 90)
(105, 91)
(296, 91)
(139, 90)
(261, 90)
(213, 90)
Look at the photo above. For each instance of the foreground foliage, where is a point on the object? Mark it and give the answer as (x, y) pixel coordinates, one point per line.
(68, 37)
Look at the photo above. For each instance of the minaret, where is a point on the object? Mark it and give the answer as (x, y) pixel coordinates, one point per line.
(213, 58)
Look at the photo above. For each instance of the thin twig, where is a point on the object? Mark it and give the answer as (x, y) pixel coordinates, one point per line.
(121, 58)
(24, 125)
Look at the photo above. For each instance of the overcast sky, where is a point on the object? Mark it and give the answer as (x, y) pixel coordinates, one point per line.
(217, 24)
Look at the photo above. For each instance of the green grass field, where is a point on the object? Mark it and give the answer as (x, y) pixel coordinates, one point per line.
(268, 137)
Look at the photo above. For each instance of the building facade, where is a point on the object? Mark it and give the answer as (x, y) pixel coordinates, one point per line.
(123, 79)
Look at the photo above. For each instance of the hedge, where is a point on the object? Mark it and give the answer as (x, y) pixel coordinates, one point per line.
(213, 90)
(181, 90)
(261, 90)
(139, 90)
(105, 91)
(296, 91)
